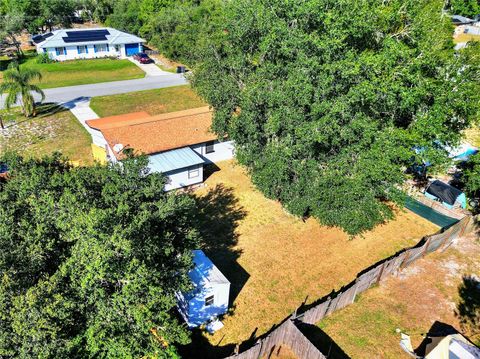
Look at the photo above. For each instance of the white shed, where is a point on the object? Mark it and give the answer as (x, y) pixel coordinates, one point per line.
(210, 297)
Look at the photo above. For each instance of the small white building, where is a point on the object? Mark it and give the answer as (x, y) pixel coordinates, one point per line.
(179, 144)
(209, 298)
(70, 44)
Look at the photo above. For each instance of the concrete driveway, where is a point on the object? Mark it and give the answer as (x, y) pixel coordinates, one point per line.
(70, 93)
(150, 69)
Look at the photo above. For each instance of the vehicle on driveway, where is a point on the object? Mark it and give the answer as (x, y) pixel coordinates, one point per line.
(143, 58)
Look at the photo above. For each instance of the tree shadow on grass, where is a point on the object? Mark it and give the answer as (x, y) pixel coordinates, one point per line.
(219, 215)
(468, 308)
(43, 110)
(49, 109)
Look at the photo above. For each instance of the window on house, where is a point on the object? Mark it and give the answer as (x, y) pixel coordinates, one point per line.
(210, 147)
(117, 48)
(209, 300)
(82, 49)
(101, 48)
(193, 172)
(61, 51)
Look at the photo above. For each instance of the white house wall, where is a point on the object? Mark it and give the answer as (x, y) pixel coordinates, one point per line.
(198, 313)
(72, 52)
(179, 178)
(223, 151)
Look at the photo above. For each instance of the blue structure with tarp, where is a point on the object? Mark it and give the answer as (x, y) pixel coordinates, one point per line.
(210, 296)
(448, 195)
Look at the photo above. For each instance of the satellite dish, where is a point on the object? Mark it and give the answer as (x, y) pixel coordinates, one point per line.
(118, 147)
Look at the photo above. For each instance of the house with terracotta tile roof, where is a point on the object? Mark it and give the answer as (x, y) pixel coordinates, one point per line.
(179, 144)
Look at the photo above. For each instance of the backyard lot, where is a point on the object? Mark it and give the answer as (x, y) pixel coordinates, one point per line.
(53, 129)
(80, 72)
(155, 102)
(425, 292)
(276, 261)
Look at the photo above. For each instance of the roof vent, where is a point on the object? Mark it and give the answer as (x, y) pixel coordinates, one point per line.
(118, 147)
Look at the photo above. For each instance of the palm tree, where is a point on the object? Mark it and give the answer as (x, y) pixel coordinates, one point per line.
(17, 80)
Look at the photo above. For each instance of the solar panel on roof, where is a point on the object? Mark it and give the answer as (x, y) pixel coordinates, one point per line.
(83, 33)
(39, 38)
(86, 35)
(85, 39)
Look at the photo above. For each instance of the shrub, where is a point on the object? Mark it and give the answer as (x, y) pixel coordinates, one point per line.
(43, 58)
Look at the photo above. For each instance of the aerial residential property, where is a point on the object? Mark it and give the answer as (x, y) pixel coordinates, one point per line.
(179, 144)
(70, 44)
(240, 179)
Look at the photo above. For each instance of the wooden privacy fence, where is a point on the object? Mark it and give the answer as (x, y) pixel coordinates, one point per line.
(288, 334)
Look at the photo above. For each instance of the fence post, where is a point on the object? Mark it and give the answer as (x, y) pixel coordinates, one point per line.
(404, 260)
(425, 249)
(464, 227)
(380, 273)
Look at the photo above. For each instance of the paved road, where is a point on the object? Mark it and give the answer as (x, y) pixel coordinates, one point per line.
(71, 93)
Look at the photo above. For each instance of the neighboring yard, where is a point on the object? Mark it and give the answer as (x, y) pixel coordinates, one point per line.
(276, 261)
(472, 135)
(423, 293)
(54, 129)
(80, 72)
(157, 101)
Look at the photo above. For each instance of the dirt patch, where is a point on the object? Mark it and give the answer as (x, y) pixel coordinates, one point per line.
(421, 295)
(281, 352)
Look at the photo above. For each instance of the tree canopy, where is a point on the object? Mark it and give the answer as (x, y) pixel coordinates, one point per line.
(41, 15)
(468, 8)
(95, 256)
(327, 99)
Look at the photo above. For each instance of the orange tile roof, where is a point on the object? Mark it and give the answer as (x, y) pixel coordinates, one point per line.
(152, 134)
(104, 122)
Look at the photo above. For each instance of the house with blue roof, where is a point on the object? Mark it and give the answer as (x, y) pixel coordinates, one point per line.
(70, 44)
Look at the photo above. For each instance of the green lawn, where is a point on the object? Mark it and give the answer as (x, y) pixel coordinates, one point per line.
(81, 72)
(53, 129)
(157, 101)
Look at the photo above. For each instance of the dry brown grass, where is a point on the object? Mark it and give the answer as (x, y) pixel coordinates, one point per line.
(53, 129)
(412, 301)
(472, 135)
(275, 261)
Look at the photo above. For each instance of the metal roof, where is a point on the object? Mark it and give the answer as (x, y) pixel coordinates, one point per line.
(205, 273)
(114, 37)
(461, 19)
(174, 160)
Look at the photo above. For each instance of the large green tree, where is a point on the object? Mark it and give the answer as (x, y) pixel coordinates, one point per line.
(11, 26)
(327, 98)
(469, 8)
(41, 15)
(17, 85)
(179, 30)
(91, 260)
